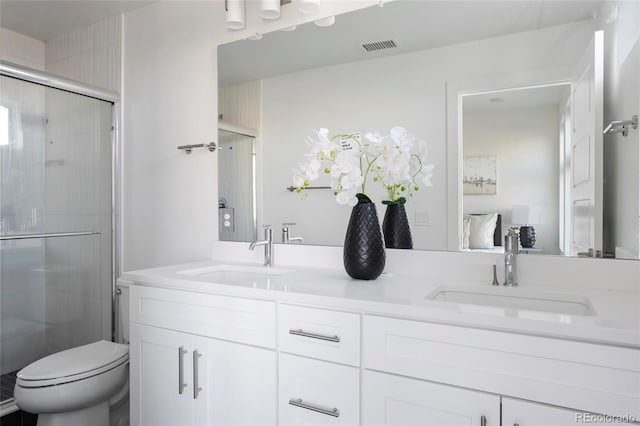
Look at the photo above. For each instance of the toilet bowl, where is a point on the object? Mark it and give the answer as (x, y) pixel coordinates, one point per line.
(75, 387)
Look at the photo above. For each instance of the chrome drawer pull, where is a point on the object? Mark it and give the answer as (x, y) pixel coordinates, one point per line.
(196, 388)
(181, 384)
(307, 406)
(483, 421)
(300, 332)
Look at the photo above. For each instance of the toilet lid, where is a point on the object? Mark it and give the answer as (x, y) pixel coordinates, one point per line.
(74, 364)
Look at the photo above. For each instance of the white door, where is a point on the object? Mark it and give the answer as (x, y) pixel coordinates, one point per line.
(156, 395)
(398, 401)
(587, 151)
(237, 384)
(525, 413)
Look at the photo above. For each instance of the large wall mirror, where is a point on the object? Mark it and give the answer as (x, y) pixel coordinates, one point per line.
(503, 94)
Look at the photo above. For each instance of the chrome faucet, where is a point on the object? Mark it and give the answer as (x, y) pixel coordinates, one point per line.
(268, 245)
(286, 234)
(511, 249)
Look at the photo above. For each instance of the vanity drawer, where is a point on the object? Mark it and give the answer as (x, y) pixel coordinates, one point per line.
(313, 392)
(585, 376)
(229, 318)
(319, 333)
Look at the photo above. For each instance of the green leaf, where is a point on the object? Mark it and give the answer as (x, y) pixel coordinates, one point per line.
(400, 200)
(362, 198)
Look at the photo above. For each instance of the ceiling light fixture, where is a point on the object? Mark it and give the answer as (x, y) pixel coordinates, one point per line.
(235, 14)
(326, 22)
(270, 9)
(307, 6)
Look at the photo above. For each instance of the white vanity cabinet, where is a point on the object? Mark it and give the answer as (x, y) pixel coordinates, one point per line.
(183, 378)
(206, 359)
(389, 400)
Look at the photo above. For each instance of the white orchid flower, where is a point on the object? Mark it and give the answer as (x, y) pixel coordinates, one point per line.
(351, 180)
(396, 160)
(427, 172)
(299, 178)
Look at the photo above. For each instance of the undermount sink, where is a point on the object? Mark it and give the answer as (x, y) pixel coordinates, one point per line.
(235, 273)
(515, 298)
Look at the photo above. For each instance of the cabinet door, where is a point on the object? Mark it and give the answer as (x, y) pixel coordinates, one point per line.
(156, 396)
(237, 383)
(392, 401)
(313, 392)
(516, 412)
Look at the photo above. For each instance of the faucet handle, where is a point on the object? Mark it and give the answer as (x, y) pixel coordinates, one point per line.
(495, 275)
(288, 223)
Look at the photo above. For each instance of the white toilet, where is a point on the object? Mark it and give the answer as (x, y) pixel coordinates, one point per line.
(85, 385)
(76, 387)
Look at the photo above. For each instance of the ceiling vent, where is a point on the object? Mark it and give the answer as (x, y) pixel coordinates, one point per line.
(379, 45)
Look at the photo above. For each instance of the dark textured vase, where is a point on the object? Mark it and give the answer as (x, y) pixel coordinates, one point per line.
(363, 254)
(527, 236)
(395, 226)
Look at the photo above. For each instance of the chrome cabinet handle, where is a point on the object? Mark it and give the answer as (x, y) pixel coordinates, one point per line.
(297, 402)
(181, 384)
(483, 421)
(196, 388)
(300, 332)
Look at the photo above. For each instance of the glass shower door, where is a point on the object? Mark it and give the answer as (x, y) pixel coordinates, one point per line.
(55, 223)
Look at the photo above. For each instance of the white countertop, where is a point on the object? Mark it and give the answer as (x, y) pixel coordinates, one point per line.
(617, 319)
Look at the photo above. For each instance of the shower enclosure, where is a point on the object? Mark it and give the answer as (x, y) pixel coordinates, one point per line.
(237, 192)
(56, 218)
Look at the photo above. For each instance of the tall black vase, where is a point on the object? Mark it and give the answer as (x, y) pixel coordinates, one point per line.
(363, 254)
(395, 226)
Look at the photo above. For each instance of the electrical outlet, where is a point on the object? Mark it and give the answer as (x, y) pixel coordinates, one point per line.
(421, 218)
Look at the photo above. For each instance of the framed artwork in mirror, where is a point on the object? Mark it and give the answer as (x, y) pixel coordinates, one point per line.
(479, 175)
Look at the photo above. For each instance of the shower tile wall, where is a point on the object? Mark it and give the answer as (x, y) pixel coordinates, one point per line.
(20, 49)
(91, 54)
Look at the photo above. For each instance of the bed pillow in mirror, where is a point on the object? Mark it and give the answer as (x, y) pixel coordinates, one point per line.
(481, 230)
(466, 231)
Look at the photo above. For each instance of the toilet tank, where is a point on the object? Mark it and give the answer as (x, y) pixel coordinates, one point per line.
(122, 306)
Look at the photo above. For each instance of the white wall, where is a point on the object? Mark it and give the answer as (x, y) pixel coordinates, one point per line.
(21, 50)
(622, 154)
(407, 90)
(170, 99)
(526, 144)
(150, 152)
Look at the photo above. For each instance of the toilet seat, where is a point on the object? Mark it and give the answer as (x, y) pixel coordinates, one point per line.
(73, 364)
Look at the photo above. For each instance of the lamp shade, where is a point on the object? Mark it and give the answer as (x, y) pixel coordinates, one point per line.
(235, 14)
(307, 6)
(270, 9)
(526, 215)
